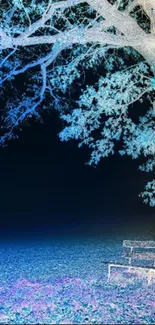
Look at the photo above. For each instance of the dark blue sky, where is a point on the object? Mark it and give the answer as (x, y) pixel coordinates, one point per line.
(45, 183)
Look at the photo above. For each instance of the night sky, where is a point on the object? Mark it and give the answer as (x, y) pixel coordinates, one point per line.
(45, 185)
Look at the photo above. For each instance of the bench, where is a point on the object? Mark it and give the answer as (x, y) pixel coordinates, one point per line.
(145, 255)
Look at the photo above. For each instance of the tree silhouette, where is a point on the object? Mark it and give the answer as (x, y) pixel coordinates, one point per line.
(51, 48)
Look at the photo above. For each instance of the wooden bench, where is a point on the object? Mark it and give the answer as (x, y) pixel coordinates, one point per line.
(145, 255)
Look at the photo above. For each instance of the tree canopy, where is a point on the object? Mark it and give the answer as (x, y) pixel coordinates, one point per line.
(52, 47)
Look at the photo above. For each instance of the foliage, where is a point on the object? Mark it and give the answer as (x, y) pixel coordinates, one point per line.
(57, 46)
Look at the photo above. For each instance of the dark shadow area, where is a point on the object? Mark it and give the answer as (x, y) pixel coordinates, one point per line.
(46, 186)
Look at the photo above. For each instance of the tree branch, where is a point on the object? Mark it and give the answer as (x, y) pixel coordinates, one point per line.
(46, 16)
(122, 21)
(83, 36)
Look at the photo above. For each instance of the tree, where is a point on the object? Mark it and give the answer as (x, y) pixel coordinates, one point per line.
(55, 44)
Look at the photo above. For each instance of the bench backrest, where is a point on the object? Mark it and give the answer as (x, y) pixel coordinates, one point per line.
(139, 243)
(144, 255)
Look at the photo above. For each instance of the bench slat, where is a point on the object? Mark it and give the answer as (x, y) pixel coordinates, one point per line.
(139, 243)
(145, 255)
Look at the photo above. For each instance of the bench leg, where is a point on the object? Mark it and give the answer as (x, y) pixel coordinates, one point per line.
(149, 277)
(131, 250)
(129, 269)
(108, 272)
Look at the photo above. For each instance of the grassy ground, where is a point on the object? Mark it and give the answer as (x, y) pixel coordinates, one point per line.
(58, 283)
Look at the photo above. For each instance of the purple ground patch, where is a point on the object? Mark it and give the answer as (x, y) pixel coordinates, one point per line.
(78, 301)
